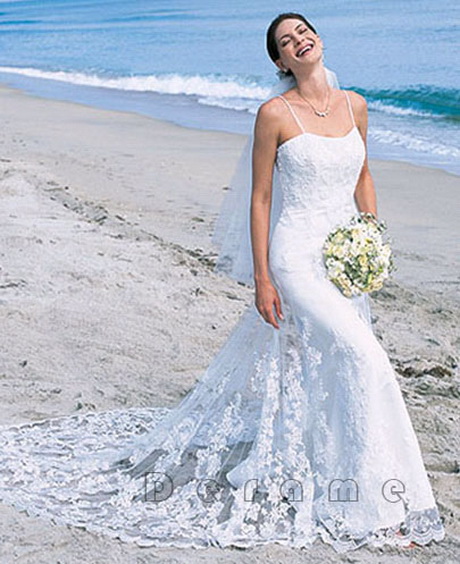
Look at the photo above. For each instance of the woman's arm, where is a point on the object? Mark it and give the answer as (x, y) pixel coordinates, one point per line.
(263, 159)
(365, 195)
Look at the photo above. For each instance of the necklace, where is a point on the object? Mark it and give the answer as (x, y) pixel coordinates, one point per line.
(317, 112)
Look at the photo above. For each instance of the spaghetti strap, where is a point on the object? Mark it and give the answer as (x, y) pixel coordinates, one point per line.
(299, 123)
(350, 108)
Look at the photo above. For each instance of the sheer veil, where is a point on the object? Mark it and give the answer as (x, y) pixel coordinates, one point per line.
(232, 234)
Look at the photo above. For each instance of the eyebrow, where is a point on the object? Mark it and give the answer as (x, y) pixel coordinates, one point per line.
(286, 34)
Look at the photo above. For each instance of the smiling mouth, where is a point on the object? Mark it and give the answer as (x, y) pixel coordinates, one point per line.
(305, 49)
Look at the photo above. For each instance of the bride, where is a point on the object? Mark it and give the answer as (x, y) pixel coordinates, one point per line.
(297, 430)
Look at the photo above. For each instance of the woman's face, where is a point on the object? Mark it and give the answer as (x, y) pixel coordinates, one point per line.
(297, 45)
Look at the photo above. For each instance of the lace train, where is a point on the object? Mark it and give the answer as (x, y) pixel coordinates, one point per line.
(250, 456)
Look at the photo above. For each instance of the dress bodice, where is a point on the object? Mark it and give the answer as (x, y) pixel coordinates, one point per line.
(318, 175)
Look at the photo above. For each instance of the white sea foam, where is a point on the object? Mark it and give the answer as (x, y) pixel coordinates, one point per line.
(419, 144)
(208, 88)
(398, 111)
(225, 92)
(250, 106)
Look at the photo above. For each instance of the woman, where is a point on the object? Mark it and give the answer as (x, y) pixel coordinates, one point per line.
(297, 50)
(297, 429)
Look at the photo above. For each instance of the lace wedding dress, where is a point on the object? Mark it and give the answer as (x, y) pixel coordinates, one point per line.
(290, 435)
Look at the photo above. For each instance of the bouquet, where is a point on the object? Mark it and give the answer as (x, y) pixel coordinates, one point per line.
(356, 257)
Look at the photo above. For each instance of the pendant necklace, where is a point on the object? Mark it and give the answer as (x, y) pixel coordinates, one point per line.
(317, 112)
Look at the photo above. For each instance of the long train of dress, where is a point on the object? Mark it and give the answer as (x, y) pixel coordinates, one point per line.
(290, 434)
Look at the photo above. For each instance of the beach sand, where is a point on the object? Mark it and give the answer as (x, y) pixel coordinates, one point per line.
(108, 299)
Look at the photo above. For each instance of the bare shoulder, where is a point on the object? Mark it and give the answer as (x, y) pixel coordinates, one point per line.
(271, 109)
(358, 102)
(359, 107)
(270, 117)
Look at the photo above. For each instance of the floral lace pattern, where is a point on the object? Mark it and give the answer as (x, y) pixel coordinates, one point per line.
(289, 435)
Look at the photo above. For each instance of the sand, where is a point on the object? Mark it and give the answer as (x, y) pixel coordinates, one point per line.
(108, 298)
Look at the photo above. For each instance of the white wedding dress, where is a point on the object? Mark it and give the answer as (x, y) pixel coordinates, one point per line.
(290, 435)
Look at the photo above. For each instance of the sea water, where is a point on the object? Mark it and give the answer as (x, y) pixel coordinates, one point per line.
(203, 63)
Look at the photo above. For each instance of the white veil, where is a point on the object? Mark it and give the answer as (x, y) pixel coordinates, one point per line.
(232, 234)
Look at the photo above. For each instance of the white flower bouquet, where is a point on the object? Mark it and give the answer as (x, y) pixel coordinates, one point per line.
(356, 256)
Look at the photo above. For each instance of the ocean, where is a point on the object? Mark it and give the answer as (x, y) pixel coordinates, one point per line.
(203, 63)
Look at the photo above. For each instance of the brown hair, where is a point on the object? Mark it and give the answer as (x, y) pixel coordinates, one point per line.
(272, 46)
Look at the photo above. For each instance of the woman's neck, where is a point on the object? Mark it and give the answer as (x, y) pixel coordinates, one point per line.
(313, 85)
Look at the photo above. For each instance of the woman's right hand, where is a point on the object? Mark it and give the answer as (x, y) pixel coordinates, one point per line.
(266, 298)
